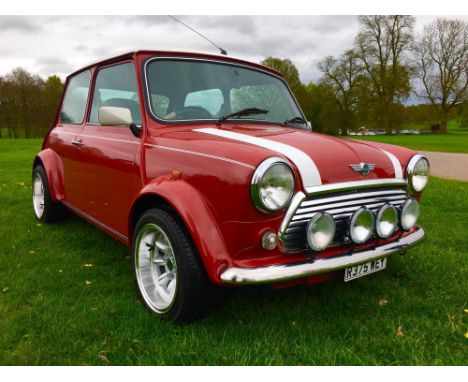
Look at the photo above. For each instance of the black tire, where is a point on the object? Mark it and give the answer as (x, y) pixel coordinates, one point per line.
(194, 293)
(51, 211)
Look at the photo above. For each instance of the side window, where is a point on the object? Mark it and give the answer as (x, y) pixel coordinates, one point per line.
(211, 100)
(75, 100)
(116, 86)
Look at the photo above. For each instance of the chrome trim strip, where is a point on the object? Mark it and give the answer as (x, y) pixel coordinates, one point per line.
(293, 206)
(201, 155)
(332, 199)
(95, 221)
(306, 166)
(109, 139)
(63, 132)
(355, 185)
(348, 203)
(285, 272)
(333, 210)
(96, 137)
(396, 164)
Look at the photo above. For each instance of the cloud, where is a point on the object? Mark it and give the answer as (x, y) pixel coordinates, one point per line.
(81, 48)
(51, 65)
(148, 20)
(18, 24)
(62, 44)
(244, 25)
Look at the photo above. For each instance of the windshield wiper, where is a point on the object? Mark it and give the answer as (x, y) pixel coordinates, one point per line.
(240, 113)
(295, 120)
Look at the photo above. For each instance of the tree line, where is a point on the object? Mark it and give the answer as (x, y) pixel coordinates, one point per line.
(370, 83)
(367, 85)
(28, 104)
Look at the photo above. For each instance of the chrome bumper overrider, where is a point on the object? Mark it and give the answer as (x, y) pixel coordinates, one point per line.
(279, 273)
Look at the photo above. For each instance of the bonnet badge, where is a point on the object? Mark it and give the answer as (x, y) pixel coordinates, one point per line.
(363, 168)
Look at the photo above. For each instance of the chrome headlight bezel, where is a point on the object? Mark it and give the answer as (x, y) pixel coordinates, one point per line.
(370, 228)
(313, 225)
(410, 203)
(410, 173)
(381, 232)
(256, 184)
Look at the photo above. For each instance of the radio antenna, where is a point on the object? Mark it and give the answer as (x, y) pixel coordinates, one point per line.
(198, 33)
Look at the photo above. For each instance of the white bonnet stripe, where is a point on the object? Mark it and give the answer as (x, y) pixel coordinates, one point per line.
(396, 164)
(306, 166)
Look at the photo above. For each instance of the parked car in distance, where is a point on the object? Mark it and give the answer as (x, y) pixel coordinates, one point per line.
(206, 168)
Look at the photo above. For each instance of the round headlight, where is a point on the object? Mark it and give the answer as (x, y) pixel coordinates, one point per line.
(418, 173)
(361, 227)
(320, 231)
(272, 185)
(409, 214)
(387, 221)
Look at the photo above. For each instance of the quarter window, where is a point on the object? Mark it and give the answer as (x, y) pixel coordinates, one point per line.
(116, 86)
(76, 99)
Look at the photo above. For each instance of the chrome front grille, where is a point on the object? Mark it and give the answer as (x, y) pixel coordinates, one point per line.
(341, 205)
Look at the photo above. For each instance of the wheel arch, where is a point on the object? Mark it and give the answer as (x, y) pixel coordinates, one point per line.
(189, 207)
(54, 170)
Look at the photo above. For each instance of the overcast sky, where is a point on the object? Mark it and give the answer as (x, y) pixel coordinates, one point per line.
(61, 44)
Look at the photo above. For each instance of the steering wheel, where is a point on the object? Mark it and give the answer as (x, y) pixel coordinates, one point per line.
(192, 112)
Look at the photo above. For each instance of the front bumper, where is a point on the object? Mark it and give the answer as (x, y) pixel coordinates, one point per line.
(286, 272)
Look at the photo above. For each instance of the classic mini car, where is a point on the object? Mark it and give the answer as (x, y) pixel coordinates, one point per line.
(206, 168)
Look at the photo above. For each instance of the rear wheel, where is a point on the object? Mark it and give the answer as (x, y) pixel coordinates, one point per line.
(169, 275)
(45, 208)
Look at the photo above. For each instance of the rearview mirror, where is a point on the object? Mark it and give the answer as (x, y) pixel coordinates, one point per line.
(115, 116)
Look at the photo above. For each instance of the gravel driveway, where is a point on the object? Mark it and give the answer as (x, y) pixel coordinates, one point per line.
(448, 165)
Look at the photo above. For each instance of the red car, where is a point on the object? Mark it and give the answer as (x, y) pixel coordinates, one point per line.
(206, 168)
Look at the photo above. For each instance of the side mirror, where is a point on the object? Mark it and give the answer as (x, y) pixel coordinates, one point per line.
(111, 116)
(120, 116)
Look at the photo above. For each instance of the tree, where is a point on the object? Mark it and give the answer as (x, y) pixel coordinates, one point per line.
(463, 115)
(28, 103)
(442, 64)
(289, 71)
(9, 108)
(381, 46)
(321, 109)
(52, 91)
(343, 75)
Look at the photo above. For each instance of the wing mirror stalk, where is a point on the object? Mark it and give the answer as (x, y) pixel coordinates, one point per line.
(135, 129)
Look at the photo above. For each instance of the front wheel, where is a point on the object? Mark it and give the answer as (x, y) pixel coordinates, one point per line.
(45, 209)
(169, 275)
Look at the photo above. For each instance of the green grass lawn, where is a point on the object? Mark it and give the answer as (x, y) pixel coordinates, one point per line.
(456, 140)
(56, 309)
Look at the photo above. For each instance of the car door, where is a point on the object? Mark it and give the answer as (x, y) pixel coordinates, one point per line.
(63, 138)
(107, 153)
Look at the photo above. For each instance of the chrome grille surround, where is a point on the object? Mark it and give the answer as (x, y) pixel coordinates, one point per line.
(340, 200)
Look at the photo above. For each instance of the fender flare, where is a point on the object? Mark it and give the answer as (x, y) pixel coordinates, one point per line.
(197, 216)
(54, 170)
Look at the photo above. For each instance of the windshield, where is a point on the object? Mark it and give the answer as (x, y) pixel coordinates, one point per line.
(185, 90)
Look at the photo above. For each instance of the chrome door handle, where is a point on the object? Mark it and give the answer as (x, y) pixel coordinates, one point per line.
(77, 142)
